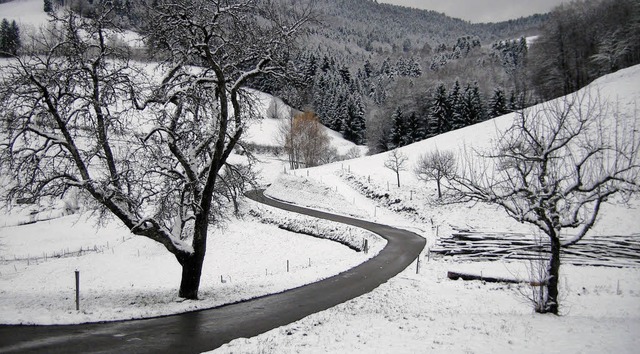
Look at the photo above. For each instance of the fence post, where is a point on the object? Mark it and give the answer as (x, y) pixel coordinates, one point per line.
(77, 290)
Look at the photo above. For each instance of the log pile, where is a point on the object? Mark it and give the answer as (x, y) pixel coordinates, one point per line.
(608, 251)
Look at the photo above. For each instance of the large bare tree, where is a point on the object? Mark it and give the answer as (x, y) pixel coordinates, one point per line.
(554, 168)
(150, 146)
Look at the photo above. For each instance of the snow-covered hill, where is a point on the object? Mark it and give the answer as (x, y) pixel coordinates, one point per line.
(426, 312)
(620, 90)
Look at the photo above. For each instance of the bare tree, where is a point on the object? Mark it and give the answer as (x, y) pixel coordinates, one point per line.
(278, 109)
(305, 140)
(396, 162)
(554, 169)
(160, 168)
(436, 165)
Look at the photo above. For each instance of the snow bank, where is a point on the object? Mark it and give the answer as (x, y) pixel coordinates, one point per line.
(305, 192)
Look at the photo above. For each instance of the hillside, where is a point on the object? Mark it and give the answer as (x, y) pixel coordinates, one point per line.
(421, 310)
(619, 90)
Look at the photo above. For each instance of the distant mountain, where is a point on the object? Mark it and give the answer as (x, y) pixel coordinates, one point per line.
(366, 29)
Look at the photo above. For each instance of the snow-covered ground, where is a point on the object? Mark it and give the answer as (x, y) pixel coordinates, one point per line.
(123, 276)
(427, 312)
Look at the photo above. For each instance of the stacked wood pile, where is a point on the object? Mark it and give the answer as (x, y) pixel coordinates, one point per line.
(608, 251)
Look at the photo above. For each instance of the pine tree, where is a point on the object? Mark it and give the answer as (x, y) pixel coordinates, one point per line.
(48, 6)
(354, 124)
(440, 117)
(515, 102)
(458, 119)
(498, 104)
(5, 37)
(472, 109)
(9, 38)
(398, 129)
(416, 129)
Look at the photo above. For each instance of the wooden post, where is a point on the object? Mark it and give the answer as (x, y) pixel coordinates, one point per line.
(287, 266)
(418, 265)
(77, 290)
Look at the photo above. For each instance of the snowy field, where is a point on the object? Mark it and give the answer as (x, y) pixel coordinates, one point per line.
(124, 277)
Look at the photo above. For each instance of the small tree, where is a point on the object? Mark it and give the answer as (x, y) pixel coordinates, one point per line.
(10, 40)
(48, 6)
(305, 140)
(554, 169)
(436, 165)
(396, 162)
(498, 104)
(278, 109)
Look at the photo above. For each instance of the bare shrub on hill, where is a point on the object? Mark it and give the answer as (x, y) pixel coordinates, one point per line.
(436, 166)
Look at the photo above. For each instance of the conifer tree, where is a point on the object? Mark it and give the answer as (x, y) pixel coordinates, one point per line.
(440, 117)
(416, 129)
(354, 124)
(457, 109)
(498, 104)
(472, 109)
(9, 38)
(398, 129)
(48, 6)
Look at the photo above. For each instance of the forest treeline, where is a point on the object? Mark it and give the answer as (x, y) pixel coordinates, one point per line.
(387, 76)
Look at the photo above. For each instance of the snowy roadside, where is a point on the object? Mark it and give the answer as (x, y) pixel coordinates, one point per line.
(429, 313)
(128, 277)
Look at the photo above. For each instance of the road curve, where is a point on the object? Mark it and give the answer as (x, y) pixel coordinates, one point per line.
(205, 330)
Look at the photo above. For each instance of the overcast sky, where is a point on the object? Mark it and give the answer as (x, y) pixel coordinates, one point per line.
(482, 10)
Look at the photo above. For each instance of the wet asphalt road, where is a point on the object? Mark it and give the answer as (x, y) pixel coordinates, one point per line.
(205, 330)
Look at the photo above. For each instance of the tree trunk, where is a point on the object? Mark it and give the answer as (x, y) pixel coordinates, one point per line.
(439, 192)
(192, 264)
(398, 176)
(191, 272)
(553, 274)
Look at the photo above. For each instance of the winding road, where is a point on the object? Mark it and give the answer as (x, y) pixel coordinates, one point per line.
(206, 330)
